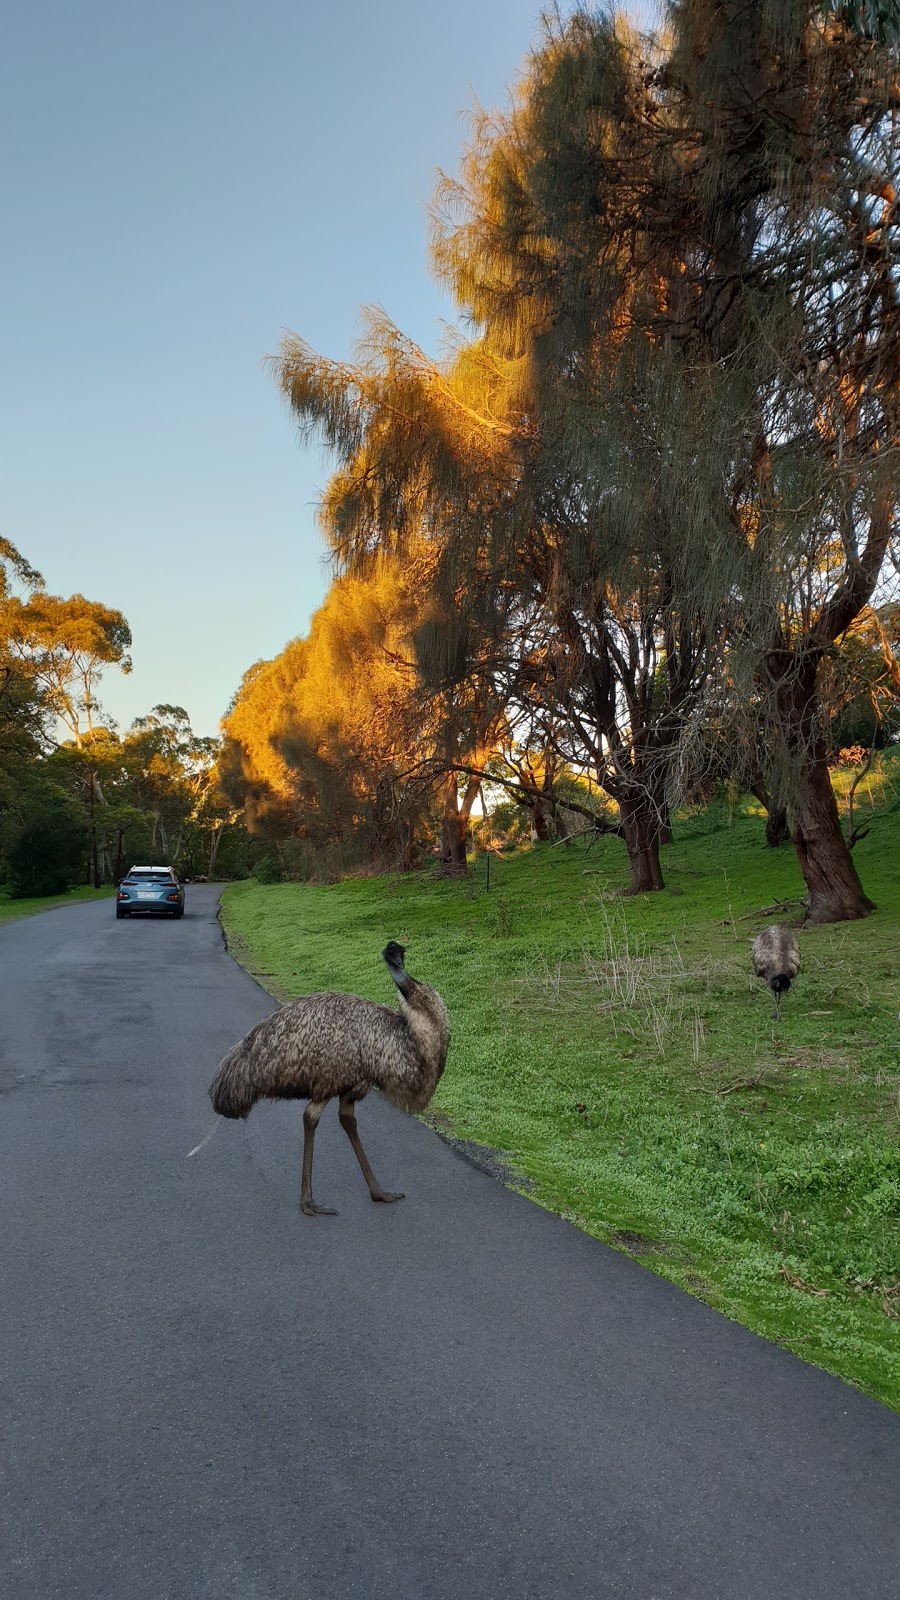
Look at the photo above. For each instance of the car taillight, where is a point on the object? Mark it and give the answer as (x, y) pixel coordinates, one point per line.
(171, 897)
(122, 895)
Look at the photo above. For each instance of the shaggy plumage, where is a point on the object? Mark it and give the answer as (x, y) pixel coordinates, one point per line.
(327, 1046)
(776, 958)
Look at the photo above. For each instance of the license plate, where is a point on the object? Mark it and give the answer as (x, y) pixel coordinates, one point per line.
(144, 894)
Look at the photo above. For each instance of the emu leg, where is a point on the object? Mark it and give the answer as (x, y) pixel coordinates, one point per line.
(347, 1119)
(310, 1123)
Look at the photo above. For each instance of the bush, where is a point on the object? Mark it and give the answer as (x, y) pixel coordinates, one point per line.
(268, 870)
(48, 855)
(507, 823)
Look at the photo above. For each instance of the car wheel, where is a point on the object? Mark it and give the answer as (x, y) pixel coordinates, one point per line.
(180, 911)
(120, 913)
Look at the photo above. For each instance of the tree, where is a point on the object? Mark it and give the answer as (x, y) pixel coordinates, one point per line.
(554, 570)
(62, 646)
(672, 431)
(15, 568)
(699, 245)
(169, 769)
(66, 644)
(46, 855)
(22, 710)
(155, 792)
(860, 683)
(878, 19)
(333, 741)
(793, 277)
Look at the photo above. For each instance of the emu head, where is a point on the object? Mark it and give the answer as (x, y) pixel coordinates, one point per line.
(393, 954)
(779, 984)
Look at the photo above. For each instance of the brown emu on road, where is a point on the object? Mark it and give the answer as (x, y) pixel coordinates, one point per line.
(776, 958)
(327, 1045)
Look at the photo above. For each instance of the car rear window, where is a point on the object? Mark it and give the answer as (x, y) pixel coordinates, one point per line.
(151, 877)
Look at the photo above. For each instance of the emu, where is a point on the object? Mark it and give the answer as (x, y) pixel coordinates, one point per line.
(327, 1045)
(776, 958)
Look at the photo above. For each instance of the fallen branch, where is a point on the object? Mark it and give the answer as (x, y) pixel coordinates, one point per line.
(739, 1083)
(798, 1283)
(763, 911)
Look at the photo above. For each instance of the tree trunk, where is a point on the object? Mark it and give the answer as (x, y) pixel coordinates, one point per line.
(391, 835)
(652, 775)
(455, 829)
(540, 819)
(777, 828)
(406, 845)
(640, 827)
(214, 842)
(834, 892)
(95, 863)
(561, 823)
(453, 833)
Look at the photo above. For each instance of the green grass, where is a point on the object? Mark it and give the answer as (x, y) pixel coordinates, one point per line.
(10, 909)
(624, 1057)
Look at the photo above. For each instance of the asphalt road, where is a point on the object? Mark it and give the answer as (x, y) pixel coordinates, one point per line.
(206, 1396)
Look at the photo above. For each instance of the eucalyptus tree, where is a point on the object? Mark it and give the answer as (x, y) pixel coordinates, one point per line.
(170, 769)
(555, 567)
(674, 427)
(699, 245)
(334, 741)
(65, 645)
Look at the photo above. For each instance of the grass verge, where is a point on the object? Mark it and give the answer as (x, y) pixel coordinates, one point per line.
(621, 1055)
(10, 909)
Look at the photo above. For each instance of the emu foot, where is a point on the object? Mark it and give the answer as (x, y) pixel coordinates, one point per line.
(311, 1210)
(388, 1199)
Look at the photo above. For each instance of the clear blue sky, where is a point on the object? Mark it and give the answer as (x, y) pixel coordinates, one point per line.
(182, 182)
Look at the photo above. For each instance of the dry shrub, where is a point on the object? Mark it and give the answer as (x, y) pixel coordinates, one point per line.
(648, 995)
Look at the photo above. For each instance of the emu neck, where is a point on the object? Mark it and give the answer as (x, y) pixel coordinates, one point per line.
(413, 1081)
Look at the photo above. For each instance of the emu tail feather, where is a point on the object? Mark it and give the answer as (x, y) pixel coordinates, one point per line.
(214, 1129)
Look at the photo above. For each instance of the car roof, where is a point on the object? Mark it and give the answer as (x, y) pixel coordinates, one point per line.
(148, 869)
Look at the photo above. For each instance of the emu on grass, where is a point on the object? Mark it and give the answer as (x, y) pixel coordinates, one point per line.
(327, 1045)
(776, 958)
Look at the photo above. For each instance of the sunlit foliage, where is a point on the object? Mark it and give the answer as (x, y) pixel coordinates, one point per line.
(333, 741)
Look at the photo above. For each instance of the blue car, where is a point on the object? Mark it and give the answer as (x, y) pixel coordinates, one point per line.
(153, 891)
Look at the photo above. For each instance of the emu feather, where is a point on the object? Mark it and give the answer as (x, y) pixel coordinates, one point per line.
(776, 959)
(327, 1046)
